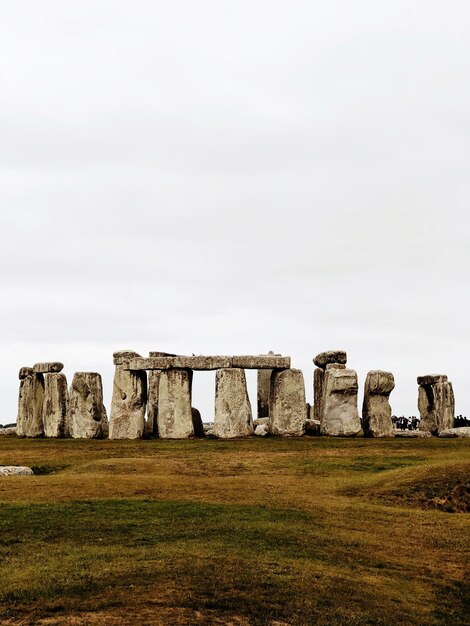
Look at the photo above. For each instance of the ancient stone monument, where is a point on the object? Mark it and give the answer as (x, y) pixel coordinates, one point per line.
(30, 404)
(287, 408)
(55, 405)
(129, 401)
(335, 395)
(87, 415)
(376, 410)
(435, 403)
(334, 358)
(264, 389)
(174, 417)
(233, 417)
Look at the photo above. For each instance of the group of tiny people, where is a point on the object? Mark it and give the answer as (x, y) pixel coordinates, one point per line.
(412, 423)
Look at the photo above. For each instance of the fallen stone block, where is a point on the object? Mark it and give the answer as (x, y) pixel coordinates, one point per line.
(262, 430)
(13, 470)
(331, 356)
(376, 410)
(48, 368)
(87, 417)
(463, 431)
(55, 405)
(288, 408)
(233, 417)
(174, 417)
(30, 401)
(340, 417)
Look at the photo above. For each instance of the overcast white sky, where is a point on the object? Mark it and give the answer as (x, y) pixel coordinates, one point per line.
(223, 177)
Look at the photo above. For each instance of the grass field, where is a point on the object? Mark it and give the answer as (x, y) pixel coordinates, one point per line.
(260, 531)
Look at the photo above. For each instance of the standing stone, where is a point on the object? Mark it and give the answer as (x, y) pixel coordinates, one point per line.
(174, 415)
(31, 397)
(198, 426)
(376, 410)
(129, 401)
(87, 414)
(288, 408)
(233, 417)
(152, 403)
(436, 404)
(55, 405)
(153, 377)
(332, 359)
(318, 376)
(340, 415)
(264, 387)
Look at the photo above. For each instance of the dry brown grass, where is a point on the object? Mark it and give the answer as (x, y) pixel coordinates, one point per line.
(242, 532)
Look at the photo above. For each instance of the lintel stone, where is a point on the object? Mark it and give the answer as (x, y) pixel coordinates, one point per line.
(269, 362)
(53, 367)
(432, 379)
(205, 362)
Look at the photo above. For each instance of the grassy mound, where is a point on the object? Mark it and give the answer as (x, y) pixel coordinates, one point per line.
(442, 487)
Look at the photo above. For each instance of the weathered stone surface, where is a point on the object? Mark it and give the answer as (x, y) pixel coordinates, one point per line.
(25, 371)
(260, 421)
(312, 427)
(335, 366)
(233, 417)
(463, 431)
(436, 407)
(122, 356)
(156, 353)
(431, 379)
(262, 430)
(318, 377)
(198, 426)
(151, 429)
(288, 408)
(265, 361)
(87, 414)
(202, 362)
(340, 417)
(55, 405)
(411, 433)
(48, 368)
(264, 388)
(13, 470)
(331, 356)
(30, 401)
(376, 410)
(174, 416)
(128, 405)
